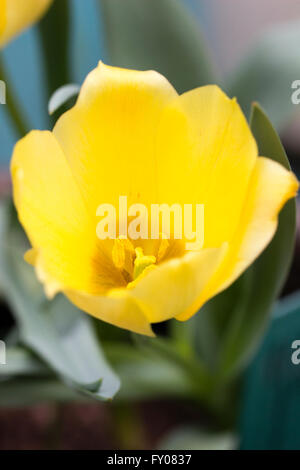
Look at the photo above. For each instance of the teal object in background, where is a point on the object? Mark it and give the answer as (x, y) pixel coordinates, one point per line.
(271, 406)
(22, 58)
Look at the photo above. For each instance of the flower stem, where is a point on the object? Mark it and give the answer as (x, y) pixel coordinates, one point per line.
(128, 427)
(12, 104)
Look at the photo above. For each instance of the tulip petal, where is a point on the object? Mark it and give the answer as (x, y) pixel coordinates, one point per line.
(19, 15)
(53, 213)
(175, 285)
(118, 308)
(206, 152)
(271, 185)
(2, 16)
(108, 137)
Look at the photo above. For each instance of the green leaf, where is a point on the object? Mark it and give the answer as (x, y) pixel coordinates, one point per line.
(160, 35)
(20, 361)
(192, 366)
(54, 29)
(264, 280)
(203, 333)
(58, 332)
(61, 96)
(147, 374)
(267, 73)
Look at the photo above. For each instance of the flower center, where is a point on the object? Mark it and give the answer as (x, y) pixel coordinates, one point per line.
(142, 262)
(132, 262)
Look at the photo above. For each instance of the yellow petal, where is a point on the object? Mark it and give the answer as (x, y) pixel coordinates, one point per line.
(2, 16)
(271, 185)
(173, 286)
(17, 15)
(206, 154)
(51, 209)
(118, 308)
(109, 136)
(270, 188)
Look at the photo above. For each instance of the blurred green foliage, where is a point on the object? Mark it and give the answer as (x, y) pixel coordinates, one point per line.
(160, 35)
(267, 73)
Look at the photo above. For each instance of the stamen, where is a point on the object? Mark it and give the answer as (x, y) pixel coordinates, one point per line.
(132, 262)
(141, 262)
(164, 245)
(122, 247)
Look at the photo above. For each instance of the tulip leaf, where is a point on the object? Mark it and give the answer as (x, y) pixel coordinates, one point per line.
(264, 280)
(203, 333)
(268, 71)
(61, 96)
(54, 30)
(20, 361)
(160, 35)
(27, 391)
(58, 332)
(147, 374)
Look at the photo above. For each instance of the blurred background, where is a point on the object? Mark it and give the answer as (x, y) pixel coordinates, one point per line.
(248, 42)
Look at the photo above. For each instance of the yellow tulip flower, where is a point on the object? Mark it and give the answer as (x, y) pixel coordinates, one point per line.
(17, 15)
(131, 134)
